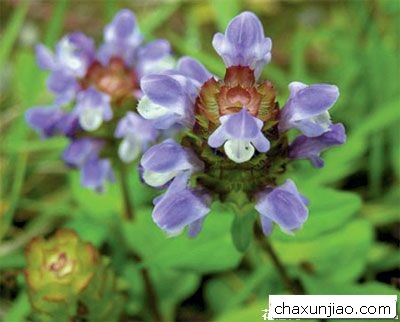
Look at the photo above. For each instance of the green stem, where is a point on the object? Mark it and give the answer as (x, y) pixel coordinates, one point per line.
(128, 213)
(280, 268)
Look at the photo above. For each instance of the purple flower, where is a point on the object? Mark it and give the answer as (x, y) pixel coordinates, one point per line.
(95, 172)
(244, 43)
(169, 99)
(121, 38)
(304, 147)
(241, 133)
(64, 85)
(93, 107)
(74, 53)
(84, 154)
(193, 69)
(137, 134)
(307, 108)
(80, 151)
(45, 120)
(164, 161)
(154, 57)
(181, 206)
(283, 205)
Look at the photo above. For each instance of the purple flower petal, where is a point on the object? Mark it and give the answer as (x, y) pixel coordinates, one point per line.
(179, 207)
(244, 43)
(192, 68)
(95, 173)
(44, 57)
(307, 108)
(122, 38)
(75, 52)
(154, 57)
(93, 107)
(283, 205)
(304, 147)
(241, 133)
(64, 85)
(164, 161)
(45, 120)
(80, 151)
(168, 100)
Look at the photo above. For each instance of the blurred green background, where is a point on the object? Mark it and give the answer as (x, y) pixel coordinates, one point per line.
(350, 244)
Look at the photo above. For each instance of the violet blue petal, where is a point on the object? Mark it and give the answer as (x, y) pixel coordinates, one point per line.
(244, 43)
(283, 205)
(304, 147)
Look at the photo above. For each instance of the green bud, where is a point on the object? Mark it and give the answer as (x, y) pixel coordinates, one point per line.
(68, 278)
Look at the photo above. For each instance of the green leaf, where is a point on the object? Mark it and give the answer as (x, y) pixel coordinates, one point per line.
(12, 31)
(321, 286)
(19, 310)
(210, 251)
(242, 231)
(338, 255)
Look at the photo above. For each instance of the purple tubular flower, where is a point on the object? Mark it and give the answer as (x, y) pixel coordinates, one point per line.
(241, 133)
(154, 57)
(84, 154)
(45, 58)
(168, 99)
(45, 120)
(95, 172)
(244, 43)
(121, 38)
(181, 206)
(92, 107)
(74, 54)
(304, 147)
(307, 108)
(137, 134)
(80, 151)
(193, 69)
(64, 85)
(164, 161)
(283, 205)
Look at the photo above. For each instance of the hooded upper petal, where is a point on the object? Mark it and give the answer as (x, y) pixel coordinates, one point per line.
(154, 57)
(304, 147)
(121, 38)
(307, 108)
(75, 52)
(283, 205)
(244, 43)
(168, 100)
(193, 69)
(166, 160)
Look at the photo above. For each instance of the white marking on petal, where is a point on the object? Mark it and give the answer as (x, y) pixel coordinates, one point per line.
(90, 119)
(67, 55)
(323, 119)
(149, 110)
(239, 151)
(129, 149)
(159, 65)
(157, 179)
